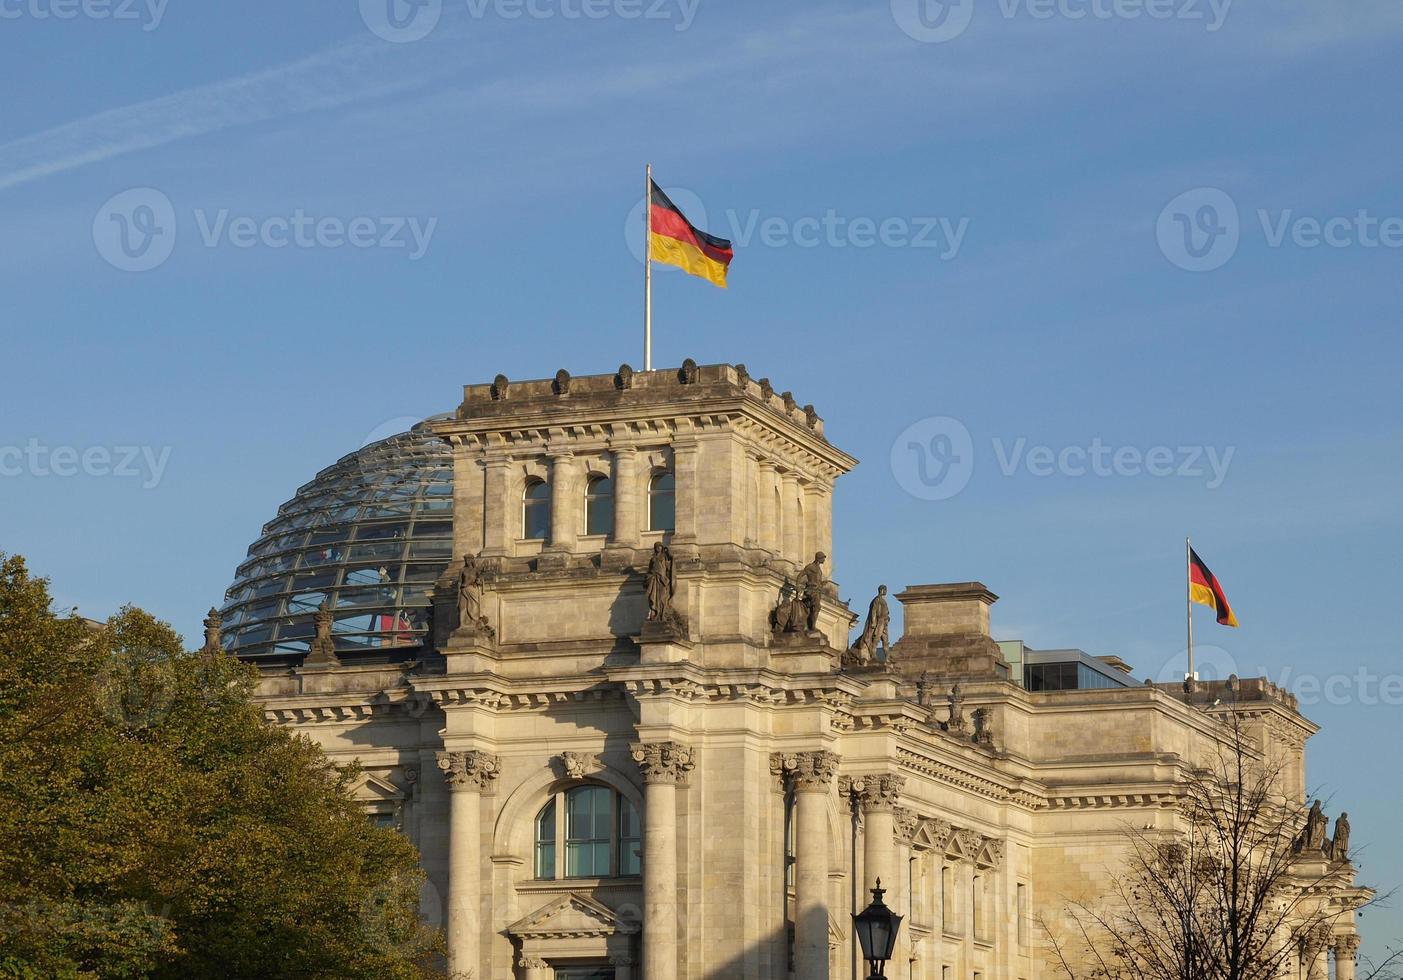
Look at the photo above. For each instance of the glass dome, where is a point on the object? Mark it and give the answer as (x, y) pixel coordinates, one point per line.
(370, 534)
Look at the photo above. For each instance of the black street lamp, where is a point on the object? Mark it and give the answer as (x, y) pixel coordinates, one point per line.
(876, 928)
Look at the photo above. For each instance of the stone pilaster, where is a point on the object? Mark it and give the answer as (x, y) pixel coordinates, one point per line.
(501, 523)
(791, 524)
(566, 501)
(467, 775)
(663, 765)
(812, 775)
(768, 507)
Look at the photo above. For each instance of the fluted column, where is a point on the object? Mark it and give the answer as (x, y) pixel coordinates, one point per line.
(501, 523)
(467, 774)
(792, 524)
(812, 774)
(566, 501)
(1346, 955)
(664, 765)
(629, 518)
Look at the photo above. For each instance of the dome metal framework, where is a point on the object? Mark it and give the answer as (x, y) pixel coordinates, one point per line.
(369, 535)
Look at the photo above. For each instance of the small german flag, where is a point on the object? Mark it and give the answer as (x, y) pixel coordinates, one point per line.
(1205, 590)
(675, 240)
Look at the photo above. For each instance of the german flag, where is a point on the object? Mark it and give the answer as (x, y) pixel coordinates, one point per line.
(675, 240)
(1205, 590)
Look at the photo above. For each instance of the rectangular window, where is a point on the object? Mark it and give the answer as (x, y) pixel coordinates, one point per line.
(1022, 914)
(587, 832)
(947, 899)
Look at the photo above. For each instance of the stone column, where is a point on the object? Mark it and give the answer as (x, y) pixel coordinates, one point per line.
(628, 498)
(501, 523)
(792, 547)
(664, 765)
(1346, 955)
(1315, 950)
(467, 774)
(878, 798)
(813, 774)
(769, 530)
(566, 501)
(813, 514)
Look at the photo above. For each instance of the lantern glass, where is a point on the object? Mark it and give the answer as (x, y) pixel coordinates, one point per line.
(876, 929)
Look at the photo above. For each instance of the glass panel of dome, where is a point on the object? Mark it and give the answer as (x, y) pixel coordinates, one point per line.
(427, 529)
(379, 532)
(431, 549)
(321, 556)
(256, 634)
(263, 610)
(307, 581)
(296, 646)
(417, 594)
(363, 622)
(296, 629)
(377, 550)
(385, 510)
(305, 602)
(436, 506)
(329, 536)
(269, 586)
(422, 573)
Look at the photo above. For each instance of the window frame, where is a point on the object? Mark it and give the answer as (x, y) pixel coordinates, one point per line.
(592, 497)
(559, 846)
(653, 479)
(540, 504)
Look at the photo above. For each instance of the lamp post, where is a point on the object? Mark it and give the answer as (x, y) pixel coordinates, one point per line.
(876, 928)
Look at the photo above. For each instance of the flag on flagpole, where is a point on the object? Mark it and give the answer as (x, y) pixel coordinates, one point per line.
(1205, 590)
(675, 240)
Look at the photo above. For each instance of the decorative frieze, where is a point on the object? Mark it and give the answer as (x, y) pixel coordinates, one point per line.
(472, 770)
(662, 762)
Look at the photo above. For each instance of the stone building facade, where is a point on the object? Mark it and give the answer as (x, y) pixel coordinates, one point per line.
(617, 772)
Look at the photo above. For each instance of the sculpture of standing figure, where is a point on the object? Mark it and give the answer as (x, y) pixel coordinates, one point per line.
(874, 631)
(323, 649)
(957, 711)
(810, 584)
(1339, 846)
(661, 584)
(470, 594)
(1316, 825)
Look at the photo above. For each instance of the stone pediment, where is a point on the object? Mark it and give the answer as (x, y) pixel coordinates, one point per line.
(570, 916)
(370, 788)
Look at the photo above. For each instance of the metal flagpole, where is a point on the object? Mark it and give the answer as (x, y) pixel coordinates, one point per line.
(1189, 601)
(648, 270)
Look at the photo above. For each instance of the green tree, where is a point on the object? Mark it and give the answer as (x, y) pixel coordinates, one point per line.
(151, 825)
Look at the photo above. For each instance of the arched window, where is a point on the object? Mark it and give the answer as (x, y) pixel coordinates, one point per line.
(535, 510)
(600, 837)
(599, 505)
(662, 502)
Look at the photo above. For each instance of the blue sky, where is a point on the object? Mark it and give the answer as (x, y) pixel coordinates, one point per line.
(1042, 179)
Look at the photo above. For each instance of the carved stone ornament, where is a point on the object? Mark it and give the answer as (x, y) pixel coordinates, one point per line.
(323, 652)
(469, 770)
(660, 587)
(469, 586)
(577, 765)
(939, 832)
(528, 961)
(214, 625)
(662, 762)
(811, 770)
(970, 841)
(500, 387)
(623, 378)
(689, 373)
(767, 390)
(788, 399)
(742, 375)
(811, 416)
(1347, 947)
(881, 792)
(994, 850)
(904, 824)
(983, 726)
(956, 722)
(620, 959)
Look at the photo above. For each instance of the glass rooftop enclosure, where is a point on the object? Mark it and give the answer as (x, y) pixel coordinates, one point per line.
(370, 533)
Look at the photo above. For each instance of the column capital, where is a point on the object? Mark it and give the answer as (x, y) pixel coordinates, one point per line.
(878, 792)
(904, 824)
(471, 770)
(1346, 946)
(621, 959)
(529, 961)
(662, 762)
(811, 771)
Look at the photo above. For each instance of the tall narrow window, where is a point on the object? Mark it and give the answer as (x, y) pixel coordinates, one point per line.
(630, 840)
(1022, 914)
(599, 506)
(662, 502)
(545, 842)
(535, 510)
(947, 900)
